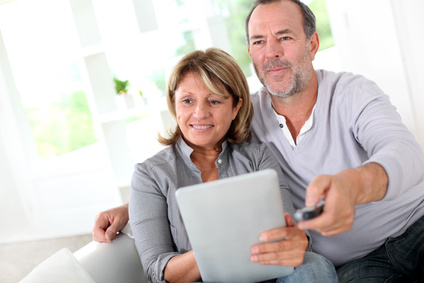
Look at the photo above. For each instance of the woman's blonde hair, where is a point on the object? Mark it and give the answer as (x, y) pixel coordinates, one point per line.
(219, 72)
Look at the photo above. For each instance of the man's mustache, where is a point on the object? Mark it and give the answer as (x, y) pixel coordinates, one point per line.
(276, 63)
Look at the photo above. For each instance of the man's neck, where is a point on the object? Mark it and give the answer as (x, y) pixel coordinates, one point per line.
(298, 108)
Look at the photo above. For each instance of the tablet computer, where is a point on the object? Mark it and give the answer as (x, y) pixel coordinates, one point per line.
(224, 219)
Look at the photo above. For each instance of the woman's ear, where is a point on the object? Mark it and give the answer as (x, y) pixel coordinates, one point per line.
(237, 108)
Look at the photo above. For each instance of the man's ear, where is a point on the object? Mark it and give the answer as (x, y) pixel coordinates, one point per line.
(248, 50)
(314, 45)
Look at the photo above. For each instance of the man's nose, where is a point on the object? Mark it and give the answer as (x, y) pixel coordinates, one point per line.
(274, 49)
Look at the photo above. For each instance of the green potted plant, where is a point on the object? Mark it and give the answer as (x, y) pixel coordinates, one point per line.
(121, 87)
(124, 98)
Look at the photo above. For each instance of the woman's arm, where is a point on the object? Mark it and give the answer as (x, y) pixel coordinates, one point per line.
(150, 223)
(182, 268)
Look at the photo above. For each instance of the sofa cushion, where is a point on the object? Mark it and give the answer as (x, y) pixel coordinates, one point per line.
(61, 267)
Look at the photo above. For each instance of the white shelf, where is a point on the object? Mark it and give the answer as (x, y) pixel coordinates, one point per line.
(124, 114)
(122, 140)
(92, 50)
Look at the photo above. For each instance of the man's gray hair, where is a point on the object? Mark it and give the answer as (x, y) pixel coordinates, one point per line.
(309, 21)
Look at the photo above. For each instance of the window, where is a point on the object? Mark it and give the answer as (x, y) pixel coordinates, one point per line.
(323, 24)
(42, 55)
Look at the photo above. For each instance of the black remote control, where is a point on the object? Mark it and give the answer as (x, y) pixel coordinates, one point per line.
(307, 213)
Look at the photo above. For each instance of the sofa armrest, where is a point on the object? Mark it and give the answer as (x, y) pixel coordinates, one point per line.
(112, 262)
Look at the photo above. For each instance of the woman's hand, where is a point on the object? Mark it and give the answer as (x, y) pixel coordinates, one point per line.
(282, 246)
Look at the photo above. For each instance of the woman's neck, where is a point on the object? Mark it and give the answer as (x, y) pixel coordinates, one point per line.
(204, 159)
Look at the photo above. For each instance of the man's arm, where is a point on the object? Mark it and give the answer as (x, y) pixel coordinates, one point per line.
(342, 192)
(392, 154)
(108, 223)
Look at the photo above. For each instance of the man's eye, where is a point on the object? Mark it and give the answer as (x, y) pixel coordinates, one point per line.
(284, 38)
(257, 42)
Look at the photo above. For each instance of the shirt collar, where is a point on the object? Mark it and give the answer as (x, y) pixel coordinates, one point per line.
(305, 128)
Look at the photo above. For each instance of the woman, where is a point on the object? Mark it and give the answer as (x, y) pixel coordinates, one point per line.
(208, 96)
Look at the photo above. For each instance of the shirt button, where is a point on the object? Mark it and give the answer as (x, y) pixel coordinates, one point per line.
(219, 161)
(281, 126)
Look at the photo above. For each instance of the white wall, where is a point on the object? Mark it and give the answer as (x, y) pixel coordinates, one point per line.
(15, 206)
(382, 40)
(409, 26)
(12, 158)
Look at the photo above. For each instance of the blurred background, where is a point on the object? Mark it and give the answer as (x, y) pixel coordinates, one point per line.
(82, 90)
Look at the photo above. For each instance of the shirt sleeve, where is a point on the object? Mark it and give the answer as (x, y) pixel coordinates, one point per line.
(149, 222)
(380, 131)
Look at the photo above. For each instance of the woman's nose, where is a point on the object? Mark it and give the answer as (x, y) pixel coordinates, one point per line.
(201, 111)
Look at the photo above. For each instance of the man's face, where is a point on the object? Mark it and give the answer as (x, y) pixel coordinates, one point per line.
(278, 48)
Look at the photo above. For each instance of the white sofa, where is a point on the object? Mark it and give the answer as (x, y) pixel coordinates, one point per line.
(112, 263)
(115, 262)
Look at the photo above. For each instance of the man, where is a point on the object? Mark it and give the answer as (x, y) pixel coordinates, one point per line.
(343, 141)
(337, 138)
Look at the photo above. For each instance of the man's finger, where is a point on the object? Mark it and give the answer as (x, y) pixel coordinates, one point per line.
(111, 233)
(98, 235)
(317, 189)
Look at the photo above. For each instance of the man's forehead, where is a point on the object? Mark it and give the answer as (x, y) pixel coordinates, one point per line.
(278, 16)
(274, 12)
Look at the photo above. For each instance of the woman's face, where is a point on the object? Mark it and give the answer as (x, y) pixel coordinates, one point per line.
(203, 117)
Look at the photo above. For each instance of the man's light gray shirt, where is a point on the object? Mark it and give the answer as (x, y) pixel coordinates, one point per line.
(354, 123)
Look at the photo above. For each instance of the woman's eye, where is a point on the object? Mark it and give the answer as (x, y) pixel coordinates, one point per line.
(214, 102)
(186, 101)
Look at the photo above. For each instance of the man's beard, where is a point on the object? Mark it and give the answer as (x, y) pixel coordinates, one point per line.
(295, 84)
